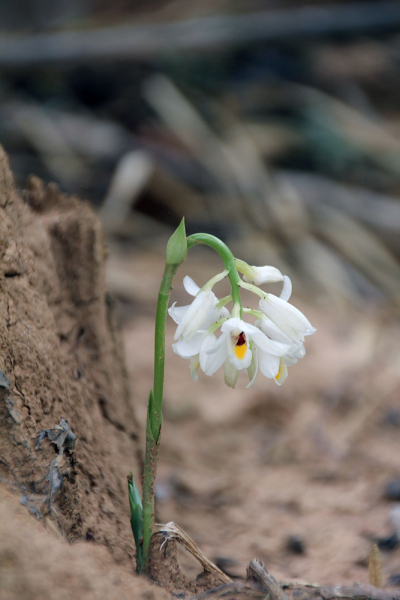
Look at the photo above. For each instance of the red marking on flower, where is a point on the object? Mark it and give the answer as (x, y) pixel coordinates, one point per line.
(241, 339)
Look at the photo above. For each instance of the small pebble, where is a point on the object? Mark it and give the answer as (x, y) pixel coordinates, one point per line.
(388, 543)
(392, 491)
(295, 544)
(394, 579)
(89, 536)
(392, 418)
(227, 565)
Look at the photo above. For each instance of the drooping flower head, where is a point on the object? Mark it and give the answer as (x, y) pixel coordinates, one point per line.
(274, 342)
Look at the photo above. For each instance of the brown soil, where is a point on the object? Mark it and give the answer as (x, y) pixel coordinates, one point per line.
(60, 358)
(37, 563)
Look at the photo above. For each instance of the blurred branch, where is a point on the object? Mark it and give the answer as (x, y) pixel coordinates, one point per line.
(380, 211)
(205, 34)
(360, 247)
(43, 133)
(59, 131)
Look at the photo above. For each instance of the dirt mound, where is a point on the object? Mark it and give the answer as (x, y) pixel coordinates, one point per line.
(36, 563)
(68, 434)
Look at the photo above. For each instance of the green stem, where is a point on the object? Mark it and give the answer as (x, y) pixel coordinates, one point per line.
(159, 341)
(228, 259)
(154, 412)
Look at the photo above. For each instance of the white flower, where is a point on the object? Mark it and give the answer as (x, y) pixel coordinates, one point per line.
(263, 362)
(188, 348)
(273, 344)
(235, 348)
(192, 329)
(258, 275)
(287, 318)
(191, 318)
(290, 327)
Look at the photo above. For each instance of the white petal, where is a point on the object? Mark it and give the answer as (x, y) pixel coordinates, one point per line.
(208, 346)
(230, 374)
(252, 371)
(189, 348)
(286, 317)
(291, 360)
(177, 312)
(214, 316)
(301, 352)
(282, 373)
(272, 331)
(210, 359)
(195, 315)
(286, 289)
(221, 340)
(190, 286)
(233, 324)
(268, 364)
(297, 352)
(194, 367)
(267, 345)
(236, 324)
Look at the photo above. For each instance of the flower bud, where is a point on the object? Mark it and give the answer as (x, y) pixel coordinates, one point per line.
(177, 246)
(258, 275)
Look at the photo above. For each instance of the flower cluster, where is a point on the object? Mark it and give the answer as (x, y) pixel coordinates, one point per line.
(271, 345)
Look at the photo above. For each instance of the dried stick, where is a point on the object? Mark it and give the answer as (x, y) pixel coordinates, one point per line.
(171, 531)
(257, 572)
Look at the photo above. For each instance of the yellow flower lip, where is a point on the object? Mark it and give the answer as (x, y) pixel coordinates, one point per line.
(240, 346)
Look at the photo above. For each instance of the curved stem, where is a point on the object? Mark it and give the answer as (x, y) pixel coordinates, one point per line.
(228, 260)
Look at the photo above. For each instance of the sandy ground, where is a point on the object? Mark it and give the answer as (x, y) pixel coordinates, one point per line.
(245, 472)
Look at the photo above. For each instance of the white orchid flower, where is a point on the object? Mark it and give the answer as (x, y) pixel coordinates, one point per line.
(273, 344)
(191, 348)
(190, 340)
(191, 318)
(235, 348)
(258, 275)
(283, 334)
(288, 319)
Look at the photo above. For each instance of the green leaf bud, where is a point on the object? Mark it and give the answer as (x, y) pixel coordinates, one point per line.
(177, 246)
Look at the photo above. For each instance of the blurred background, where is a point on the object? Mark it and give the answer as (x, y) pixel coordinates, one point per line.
(275, 126)
(272, 124)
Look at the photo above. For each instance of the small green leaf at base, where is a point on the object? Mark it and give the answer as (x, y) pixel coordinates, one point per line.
(135, 503)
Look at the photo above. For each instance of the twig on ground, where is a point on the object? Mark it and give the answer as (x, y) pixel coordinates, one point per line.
(174, 532)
